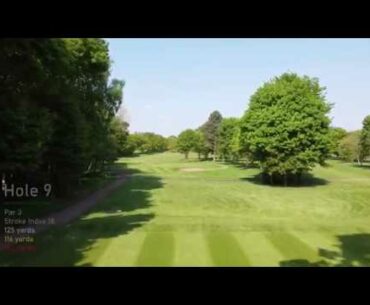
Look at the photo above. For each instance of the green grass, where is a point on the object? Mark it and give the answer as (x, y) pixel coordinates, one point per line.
(221, 216)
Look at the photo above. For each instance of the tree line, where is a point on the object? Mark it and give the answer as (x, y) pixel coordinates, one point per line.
(353, 146)
(58, 111)
(59, 122)
(285, 130)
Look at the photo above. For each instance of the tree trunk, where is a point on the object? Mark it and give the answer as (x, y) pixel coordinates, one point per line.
(285, 180)
(198, 155)
(299, 178)
(90, 166)
(186, 155)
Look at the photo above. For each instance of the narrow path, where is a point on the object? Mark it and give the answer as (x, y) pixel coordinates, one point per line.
(77, 209)
(72, 212)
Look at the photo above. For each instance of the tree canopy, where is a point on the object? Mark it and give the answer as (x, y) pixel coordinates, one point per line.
(186, 141)
(58, 119)
(286, 127)
(349, 147)
(210, 130)
(365, 138)
(336, 135)
(228, 139)
(171, 143)
(148, 142)
(57, 104)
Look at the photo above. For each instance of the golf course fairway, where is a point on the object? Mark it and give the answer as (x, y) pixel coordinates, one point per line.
(177, 212)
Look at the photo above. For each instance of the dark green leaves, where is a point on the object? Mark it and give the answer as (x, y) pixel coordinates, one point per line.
(365, 138)
(56, 107)
(286, 125)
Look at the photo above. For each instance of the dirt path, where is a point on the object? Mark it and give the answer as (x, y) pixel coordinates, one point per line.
(76, 210)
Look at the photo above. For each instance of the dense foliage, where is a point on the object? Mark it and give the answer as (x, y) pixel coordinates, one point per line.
(58, 120)
(286, 127)
(365, 138)
(228, 139)
(186, 141)
(171, 143)
(210, 130)
(200, 146)
(56, 108)
(349, 147)
(148, 142)
(336, 135)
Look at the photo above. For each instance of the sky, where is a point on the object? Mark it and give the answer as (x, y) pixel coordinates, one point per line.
(174, 84)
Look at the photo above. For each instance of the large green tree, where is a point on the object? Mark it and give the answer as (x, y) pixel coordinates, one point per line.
(186, 141)
(235, 147)
(32, 73)
(210, 130)
(129, 147)
(336, 135)
(149, 142)
(200, 146)
(350, 148)
(365, 138)
(56, 107)
(286, 127)
(228, 138)
(118, 138)
(171, 142)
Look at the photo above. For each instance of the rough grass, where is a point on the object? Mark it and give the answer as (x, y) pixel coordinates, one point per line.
(220, 216)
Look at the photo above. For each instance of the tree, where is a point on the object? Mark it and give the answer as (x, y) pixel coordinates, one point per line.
(235, 147)
(365, 138)
(228, 138)
(186, 141)
(118, 138)
(171, 141)
(336, 135)
(349, 147)
(129, 148)
(31, 75)
(286, 127)
(153, 143)
(200, 146)
(138, 140)
(210, 130)
(56, 108)
(148, 142)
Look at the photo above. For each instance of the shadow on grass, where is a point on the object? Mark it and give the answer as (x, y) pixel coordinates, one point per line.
(140, 154)
(70, 245)
(133, 195)
(242, 164)
(354, 251)
(365, 165)
(195, 159)
(307, 180)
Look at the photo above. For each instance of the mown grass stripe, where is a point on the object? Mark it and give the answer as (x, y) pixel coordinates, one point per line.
(157, 250)
(191, 249)
(259, 249)
(122, 251)
(292, 248)
(320, 240)
(327, 246)
(225, 250)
